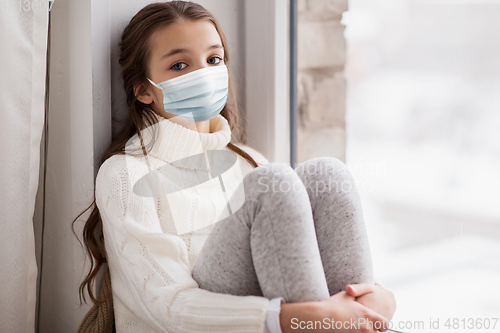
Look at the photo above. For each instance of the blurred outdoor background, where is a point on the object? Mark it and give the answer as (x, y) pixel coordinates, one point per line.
(423, 141)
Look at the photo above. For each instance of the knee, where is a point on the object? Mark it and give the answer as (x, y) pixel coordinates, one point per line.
(324, 165)
(275, 169)
(331, 162)
(270, 173)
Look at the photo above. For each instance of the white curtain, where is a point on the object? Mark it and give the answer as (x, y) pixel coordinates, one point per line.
(23, 49)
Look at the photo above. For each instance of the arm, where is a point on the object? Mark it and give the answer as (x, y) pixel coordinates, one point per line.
(150, 271)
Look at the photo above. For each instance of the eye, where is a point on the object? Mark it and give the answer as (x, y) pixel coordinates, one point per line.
(176, 67)
(217, 60)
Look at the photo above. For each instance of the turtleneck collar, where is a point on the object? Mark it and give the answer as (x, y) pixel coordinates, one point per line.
(175, 142)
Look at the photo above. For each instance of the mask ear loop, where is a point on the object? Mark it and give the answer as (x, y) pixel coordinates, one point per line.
(154, 84)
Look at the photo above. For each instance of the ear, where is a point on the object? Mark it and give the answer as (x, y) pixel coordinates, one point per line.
(146, 96)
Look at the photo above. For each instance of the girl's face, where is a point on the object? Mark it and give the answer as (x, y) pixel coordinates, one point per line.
(178, 49)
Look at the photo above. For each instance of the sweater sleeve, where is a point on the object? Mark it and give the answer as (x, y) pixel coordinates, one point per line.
(150, 271)
(273, 324)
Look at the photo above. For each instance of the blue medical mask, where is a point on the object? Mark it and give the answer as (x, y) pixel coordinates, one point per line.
(198, 95)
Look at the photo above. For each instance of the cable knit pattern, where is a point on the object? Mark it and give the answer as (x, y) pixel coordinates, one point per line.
(150, 261)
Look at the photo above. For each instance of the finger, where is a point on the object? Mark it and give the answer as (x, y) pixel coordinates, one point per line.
(346, 295)
(380, 323)
(359, 289)
(373, 321)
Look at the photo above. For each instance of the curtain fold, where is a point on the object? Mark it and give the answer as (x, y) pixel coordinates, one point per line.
(23, 50)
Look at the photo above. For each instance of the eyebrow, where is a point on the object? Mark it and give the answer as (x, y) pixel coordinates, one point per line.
(176, 51)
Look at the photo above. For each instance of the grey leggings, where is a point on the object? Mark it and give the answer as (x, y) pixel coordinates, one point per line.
(300, 235)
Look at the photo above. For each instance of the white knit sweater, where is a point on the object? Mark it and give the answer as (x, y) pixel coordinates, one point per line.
(150, 260)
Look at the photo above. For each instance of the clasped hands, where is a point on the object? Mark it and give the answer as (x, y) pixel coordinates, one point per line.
(369, 306)
(372, 302)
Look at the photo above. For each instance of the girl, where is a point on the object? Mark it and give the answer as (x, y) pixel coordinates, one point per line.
(181, 259)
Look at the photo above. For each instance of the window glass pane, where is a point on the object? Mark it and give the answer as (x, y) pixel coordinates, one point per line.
(423, 141)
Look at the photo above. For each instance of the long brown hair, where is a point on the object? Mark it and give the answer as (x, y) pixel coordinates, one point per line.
(134, 55)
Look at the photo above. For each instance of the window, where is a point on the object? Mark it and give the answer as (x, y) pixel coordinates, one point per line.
(424, 145)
